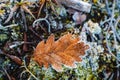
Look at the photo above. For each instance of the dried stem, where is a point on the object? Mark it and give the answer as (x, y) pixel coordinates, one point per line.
(25, 40)
(24, 19)
(35, 32)
(29, 70)
(6, 73)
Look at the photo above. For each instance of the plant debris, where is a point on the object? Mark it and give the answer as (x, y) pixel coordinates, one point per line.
(59, 39)
(67, 50)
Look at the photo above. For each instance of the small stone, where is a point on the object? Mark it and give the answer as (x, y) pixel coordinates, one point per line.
(79, 18)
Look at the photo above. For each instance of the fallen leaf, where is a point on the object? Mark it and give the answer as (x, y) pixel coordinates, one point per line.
(15, 59)
(65, 51)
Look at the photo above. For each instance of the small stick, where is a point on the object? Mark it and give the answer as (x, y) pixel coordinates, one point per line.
(7, 74)
(25, 40)
(35, 32)
(76, 4)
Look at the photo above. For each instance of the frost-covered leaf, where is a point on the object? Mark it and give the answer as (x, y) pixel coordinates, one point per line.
(65, 51)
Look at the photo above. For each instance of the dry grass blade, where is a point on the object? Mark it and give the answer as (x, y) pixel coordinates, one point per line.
(42, 2)
(27, 10)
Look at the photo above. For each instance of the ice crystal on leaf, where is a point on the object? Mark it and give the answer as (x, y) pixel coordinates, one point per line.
(65, 51)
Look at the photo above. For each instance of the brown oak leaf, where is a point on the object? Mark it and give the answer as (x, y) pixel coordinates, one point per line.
(65, 51)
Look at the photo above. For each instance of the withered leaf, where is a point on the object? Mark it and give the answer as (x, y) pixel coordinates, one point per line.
(15, 59)
(65, 51)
